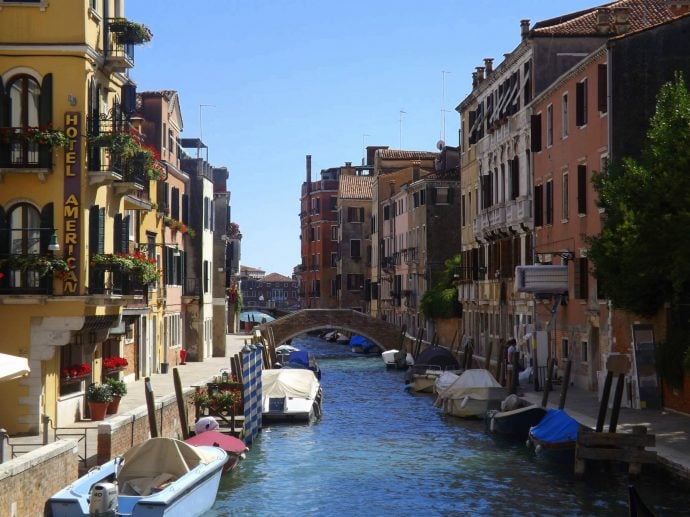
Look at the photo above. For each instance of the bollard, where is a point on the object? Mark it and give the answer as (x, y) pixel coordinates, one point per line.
(3, 437)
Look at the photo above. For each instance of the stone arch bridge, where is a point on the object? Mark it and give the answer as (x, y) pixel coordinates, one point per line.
(384, 334)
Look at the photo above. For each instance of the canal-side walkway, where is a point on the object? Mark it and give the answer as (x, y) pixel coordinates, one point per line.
(672, 429)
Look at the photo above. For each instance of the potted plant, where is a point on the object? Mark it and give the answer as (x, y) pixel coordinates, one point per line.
(99, 397)
(119, 389)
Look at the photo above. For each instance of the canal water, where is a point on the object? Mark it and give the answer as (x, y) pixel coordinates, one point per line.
(380, 451)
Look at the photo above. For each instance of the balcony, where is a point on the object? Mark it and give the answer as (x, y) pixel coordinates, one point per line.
(519, 211)
(30, 273)
(120, 57)
(110, 280)
(28, 150)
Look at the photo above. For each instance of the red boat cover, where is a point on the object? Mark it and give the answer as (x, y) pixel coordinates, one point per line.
(214, 438)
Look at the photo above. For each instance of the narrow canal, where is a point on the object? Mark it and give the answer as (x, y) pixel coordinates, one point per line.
(380, 451)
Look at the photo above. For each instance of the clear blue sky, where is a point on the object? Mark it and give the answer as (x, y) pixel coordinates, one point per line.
(287, 78)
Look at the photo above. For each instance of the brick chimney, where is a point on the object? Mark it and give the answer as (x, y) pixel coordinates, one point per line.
(309, 168)
(480, 74)
(524, 28)
(603, 20)
(488, 65)
(679, 7)
(621, 19)
(474, 79)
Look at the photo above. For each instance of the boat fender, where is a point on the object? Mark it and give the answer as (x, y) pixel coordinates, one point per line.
(464, 401)
(491, 424)
(537, 449)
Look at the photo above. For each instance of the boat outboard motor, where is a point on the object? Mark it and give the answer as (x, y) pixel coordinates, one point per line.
(103, 500)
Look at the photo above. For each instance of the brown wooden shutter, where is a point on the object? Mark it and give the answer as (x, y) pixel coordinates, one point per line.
(602, 88)
(535, 129)
(580, 106)
(45, 119)
(581, 189)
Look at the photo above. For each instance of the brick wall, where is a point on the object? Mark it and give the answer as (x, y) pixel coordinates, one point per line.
(119, 434)
(27, 482)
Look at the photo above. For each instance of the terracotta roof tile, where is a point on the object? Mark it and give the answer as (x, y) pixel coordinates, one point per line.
(356, 187)
(392, 154)
(276, 277)
(642, 14)
(168, 94)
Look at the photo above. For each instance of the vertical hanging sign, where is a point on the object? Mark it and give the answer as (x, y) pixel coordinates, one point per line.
(72, 202)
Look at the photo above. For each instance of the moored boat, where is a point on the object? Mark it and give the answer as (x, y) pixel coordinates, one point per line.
(303, 359)
(159, 477)
(515, 418)
(233, 446)
(555, 436)
(290, 395)
(397, 359)
(428, 367)
(470, 394)
(361, 345)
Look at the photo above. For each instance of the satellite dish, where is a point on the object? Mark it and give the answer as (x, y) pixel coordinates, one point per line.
(440, 145)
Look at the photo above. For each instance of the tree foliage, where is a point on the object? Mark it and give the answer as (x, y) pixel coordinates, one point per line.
(441, 300)
(642, 255)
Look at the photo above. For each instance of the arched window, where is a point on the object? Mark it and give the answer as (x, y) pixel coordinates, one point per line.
(23, 93)
(24, 240)
(25, 103)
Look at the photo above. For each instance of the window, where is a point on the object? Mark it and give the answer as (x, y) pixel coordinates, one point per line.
(334, 259)
(334, 233)
(549, 125)
(318, 233)
(581, 103)
(207, 276)
(462, 211)
(581, 278)
(316, 205)
(564, 116)
(442, 195)
(514, 178)
(602, 89)
(581, 189)
(535, 133)
(355, 248)
(334, 203)
(584, 352)
(386, 212)
(565, 194)
(25, 237)
(564, 348)
(355, 214)
(355, 282)
(23, 94)
(538, 205)
(549, 202)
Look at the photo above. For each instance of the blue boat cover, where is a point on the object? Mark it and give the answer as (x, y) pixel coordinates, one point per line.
(358, 340)
(556, 427)
(300, 357)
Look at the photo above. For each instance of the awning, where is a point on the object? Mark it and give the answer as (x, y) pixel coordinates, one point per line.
(13, 367)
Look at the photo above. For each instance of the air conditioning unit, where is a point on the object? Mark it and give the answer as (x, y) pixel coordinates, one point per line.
(544, 279)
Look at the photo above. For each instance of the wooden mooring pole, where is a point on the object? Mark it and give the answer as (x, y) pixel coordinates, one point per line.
(151, 407)
(181, 406)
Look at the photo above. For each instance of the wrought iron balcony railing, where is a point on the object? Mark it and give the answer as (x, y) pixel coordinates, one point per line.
(18, 151)
(112, 280)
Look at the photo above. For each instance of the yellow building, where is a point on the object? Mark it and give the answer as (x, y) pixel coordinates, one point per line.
(74, 175)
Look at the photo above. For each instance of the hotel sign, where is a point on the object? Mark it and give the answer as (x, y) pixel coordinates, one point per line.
(72, 202)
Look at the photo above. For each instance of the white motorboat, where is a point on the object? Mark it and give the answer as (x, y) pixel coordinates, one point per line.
(290, 394)
(470, 394)
(397, 359)
(159, 477)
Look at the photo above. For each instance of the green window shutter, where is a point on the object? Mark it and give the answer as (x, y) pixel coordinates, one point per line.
(93, 230)
(117, 233)
(46, 227)
(101, 230)
(45, 118)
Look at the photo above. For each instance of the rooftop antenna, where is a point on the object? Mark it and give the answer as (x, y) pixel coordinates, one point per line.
(364, 148)
(201, 128)
(443, 104)
(402, 112)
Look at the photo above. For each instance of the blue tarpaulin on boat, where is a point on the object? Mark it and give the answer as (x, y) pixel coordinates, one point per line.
(300, 357)
(358, 340)
(557, 426)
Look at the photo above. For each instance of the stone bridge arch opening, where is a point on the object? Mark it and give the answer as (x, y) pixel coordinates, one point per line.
(384, 334)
